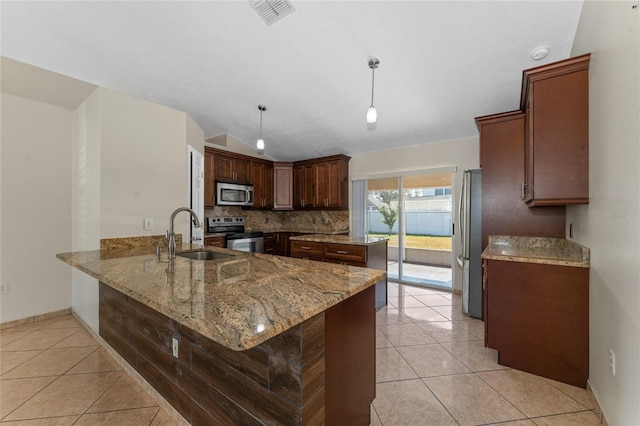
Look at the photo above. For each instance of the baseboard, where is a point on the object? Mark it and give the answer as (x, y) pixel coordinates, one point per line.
(35, 318)
(596, 404)
(168, 408)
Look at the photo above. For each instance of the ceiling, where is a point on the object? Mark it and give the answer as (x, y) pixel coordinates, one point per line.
(441, 63)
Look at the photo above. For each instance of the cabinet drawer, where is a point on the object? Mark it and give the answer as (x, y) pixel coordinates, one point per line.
(345, 252)
(215, 241)
(307, 250)
(345, 262)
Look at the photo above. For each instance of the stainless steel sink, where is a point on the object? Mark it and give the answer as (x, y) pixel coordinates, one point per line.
(203, 255)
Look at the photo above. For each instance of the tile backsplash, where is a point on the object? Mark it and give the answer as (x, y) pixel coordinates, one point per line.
(316, 221)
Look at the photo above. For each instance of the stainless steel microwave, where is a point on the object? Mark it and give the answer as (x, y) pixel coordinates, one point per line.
(233, 194)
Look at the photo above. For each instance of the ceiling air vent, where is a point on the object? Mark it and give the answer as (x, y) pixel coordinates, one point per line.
(272, 10)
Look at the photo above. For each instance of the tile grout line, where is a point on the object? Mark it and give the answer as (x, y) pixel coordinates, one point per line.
(140, 381)
(421, 378)
(52, 382)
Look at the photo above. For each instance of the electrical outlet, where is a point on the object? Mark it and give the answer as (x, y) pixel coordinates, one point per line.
(148, 223)
(174, 347)
(4, 288)
(612, 361)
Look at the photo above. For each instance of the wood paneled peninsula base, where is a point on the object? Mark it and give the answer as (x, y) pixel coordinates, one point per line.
(264, 340)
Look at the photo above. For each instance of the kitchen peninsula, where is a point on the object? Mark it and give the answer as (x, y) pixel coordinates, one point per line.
(243, 339)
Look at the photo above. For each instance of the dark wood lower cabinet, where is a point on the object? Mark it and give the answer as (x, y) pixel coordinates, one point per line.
(319, 372)
(370, 256)
(537, 317)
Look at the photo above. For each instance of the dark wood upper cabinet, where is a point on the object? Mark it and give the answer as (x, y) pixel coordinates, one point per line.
(261, 177)
(231, 168)
(304, 186)
(209, 179)
(502, 162)
(283, 186)
(555, 99)
(335, 192)
(321, 183)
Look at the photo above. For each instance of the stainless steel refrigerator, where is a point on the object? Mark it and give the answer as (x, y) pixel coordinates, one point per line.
(470, 231)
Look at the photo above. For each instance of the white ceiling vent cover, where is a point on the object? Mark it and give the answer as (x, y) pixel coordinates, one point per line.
(272, 10)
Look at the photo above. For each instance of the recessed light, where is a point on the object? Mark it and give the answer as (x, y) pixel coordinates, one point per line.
(539, 53)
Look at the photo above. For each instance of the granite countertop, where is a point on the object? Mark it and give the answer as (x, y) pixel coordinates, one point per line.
(340, 239)
(551, 251)
(272, 231)
(239, 301)
(307, 231)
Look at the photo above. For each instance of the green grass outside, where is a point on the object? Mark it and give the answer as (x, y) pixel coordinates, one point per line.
(420, 241)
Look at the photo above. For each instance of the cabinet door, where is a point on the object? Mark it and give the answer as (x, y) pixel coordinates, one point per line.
(303, 186)
(261, 177)
(257, 179)
(209, 179)
(270, 242)
(231, 169)
(336, 184)
(283, 186)
(223, 168)
(556, 100)
(267, 186)
(298, 184)
(331, 184)
(319, 185)
(241, 169)
(282, 243)
(502, 155)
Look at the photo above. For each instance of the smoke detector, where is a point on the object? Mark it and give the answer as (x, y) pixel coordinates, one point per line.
(272, 11)
(539, 53)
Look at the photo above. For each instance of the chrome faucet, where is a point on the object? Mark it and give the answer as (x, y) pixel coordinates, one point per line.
(171, 236)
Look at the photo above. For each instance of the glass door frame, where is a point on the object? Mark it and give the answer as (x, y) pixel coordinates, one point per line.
(401, 219)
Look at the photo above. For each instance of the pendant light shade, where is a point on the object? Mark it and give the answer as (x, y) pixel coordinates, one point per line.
(372, 114)
(260, 143)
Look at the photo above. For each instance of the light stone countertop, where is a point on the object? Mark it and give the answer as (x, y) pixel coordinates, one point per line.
(340, 239)
(238, 302)
(551, 251)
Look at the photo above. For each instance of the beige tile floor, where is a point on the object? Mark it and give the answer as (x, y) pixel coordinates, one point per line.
(54, 372)
(432, 369)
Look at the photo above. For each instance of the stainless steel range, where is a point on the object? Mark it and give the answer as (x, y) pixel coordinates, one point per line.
(237, 238)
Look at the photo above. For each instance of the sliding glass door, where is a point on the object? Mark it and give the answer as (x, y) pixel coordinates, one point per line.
(414, 212)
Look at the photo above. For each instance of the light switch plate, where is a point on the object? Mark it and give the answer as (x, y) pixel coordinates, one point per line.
(4, 288)
(148, 223)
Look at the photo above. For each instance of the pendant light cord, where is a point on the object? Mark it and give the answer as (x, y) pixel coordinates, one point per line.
(373, 76)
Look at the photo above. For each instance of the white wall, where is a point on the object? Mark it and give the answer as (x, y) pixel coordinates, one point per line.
(228, 142)
(130, 161)
(610, 224)
(144, 160)
(85, 205)
(462, 153)
(36, 198)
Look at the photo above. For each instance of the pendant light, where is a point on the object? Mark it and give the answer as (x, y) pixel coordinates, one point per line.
(372, 114)
(260, 143)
